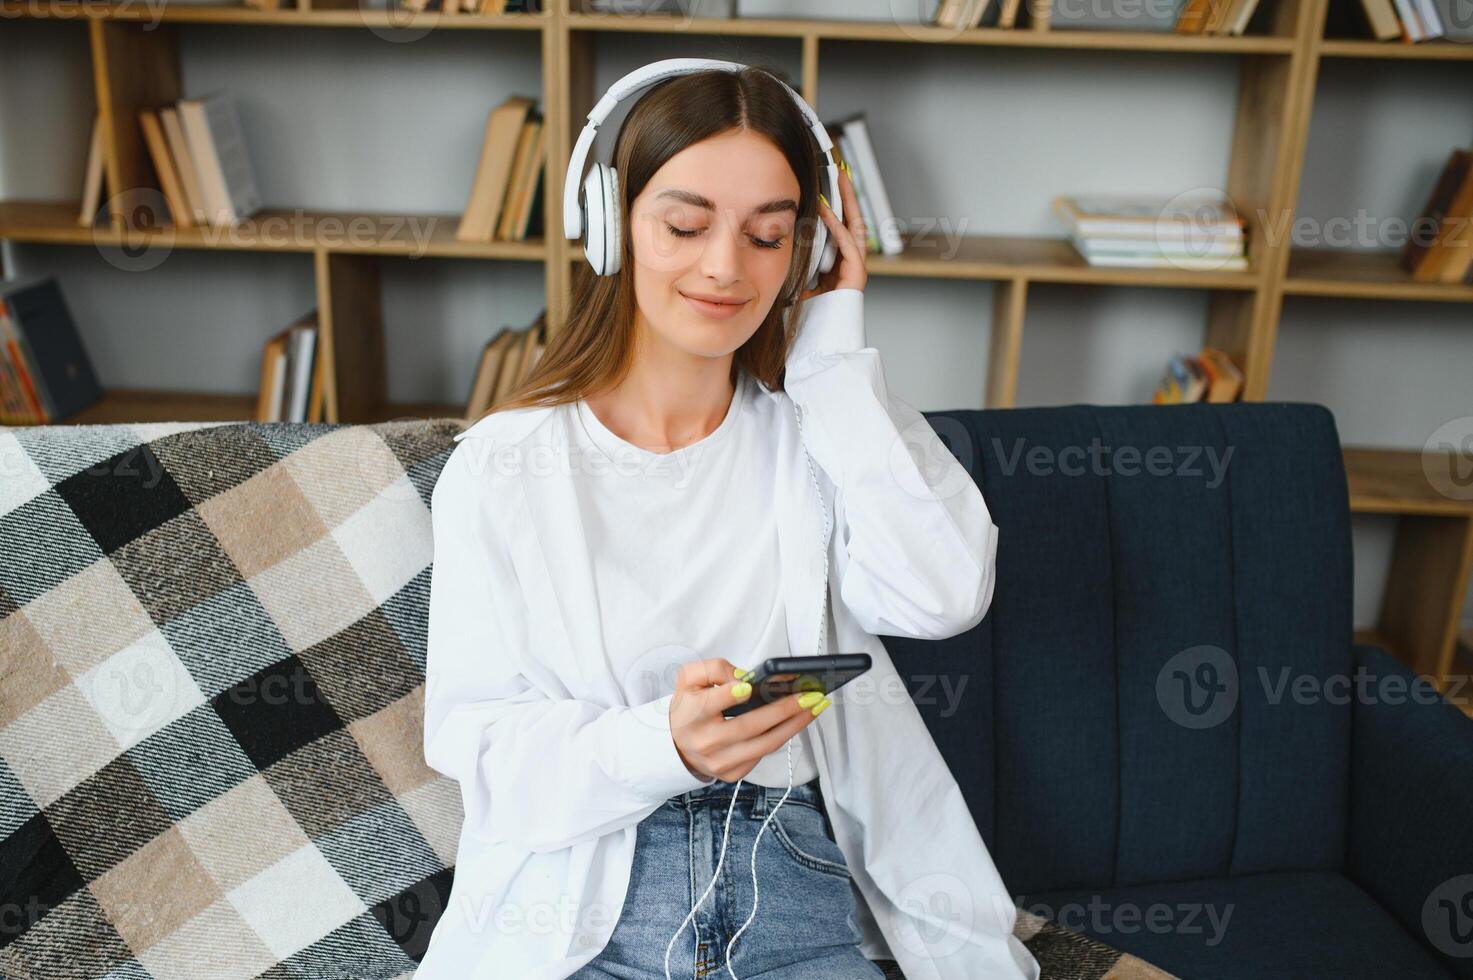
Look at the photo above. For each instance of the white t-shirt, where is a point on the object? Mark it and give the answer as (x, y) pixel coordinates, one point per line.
(681, 572)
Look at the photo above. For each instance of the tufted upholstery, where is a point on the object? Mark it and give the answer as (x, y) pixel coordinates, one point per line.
(1135, 571)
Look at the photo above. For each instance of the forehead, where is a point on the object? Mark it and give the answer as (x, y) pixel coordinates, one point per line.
(739, 170)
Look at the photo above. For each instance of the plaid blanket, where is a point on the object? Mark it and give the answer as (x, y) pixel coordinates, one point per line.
(212, 654)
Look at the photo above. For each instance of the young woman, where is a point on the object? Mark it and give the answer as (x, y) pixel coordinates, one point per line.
(640, 525)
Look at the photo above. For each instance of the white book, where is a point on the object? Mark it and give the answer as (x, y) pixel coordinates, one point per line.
(1431, 20)
(278, 385)
(183, 162)
(858, 132)
(92, 184)
(218, 146)
(871, 228)
(1209, 264)
(1407, 13)
(1188, 220)
(1091, 245)
(304, 342)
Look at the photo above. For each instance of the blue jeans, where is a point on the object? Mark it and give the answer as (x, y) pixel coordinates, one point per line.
(806, 927)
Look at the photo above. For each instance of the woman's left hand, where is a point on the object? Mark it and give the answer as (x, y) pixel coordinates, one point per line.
(849, 236)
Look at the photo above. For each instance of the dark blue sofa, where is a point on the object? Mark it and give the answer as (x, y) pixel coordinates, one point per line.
(1125, 786)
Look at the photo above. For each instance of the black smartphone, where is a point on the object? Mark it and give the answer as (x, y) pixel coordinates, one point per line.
(778, 677)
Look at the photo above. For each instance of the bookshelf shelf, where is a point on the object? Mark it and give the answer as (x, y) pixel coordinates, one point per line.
(352, 16)
(834, 30)
(1393, 481)
(1363, 274)
(273, 230)
(1423, 51)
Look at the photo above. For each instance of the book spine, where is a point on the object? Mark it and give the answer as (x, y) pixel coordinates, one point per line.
(34, 410)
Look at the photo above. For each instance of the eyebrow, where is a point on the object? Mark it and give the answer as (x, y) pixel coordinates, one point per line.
(701, 201)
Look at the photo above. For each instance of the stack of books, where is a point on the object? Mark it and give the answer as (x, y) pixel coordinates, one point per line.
(506, 361)
(506, 194)
(1222, 17)
(291, 374)
(45, 374)
(1002, 14)
(199, 156)
(852, 146)
(1207, 376)
(1440, 248)
(1409, 21)
(1199, 233)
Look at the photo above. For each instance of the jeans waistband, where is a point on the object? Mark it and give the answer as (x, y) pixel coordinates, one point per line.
(761, 797)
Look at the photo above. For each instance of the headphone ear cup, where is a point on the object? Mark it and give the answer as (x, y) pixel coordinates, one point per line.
(821, 259)
(613, 224)
(594, 218)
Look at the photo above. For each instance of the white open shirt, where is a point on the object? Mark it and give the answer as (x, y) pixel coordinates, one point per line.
(684, 548)
(556, 768)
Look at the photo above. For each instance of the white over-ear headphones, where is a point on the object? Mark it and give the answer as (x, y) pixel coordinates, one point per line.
(596, 210)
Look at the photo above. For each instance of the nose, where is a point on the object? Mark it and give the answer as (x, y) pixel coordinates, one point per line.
(721, 259)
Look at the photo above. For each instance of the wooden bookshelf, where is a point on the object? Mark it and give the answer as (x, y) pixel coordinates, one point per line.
(1431, 559)
(346, 16)
(135, 63)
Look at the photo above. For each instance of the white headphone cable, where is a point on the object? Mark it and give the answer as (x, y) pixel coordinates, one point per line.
(725, 837)
(726, 830)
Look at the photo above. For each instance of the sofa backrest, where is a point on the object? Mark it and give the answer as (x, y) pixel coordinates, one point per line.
(1147, 555)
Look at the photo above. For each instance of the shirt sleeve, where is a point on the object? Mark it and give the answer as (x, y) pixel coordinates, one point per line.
(917, 544)
(544, 772)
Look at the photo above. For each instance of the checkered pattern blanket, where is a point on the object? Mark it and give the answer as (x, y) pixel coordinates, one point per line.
(211, 688)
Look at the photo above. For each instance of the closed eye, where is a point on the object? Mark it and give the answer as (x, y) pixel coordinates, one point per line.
(692, 232)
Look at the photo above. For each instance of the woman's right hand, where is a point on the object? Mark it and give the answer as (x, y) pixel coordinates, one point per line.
(709, 743)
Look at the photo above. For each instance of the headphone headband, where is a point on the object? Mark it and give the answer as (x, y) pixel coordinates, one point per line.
(639, 80)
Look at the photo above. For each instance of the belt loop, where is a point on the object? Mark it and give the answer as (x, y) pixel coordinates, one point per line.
(759, 802)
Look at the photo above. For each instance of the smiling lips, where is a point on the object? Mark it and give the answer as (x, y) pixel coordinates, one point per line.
(717, 308)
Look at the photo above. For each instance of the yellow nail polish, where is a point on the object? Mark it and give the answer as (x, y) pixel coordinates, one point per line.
(742, 675)
(825, 201)
(818, 710)
(741, 690)
(809, 698)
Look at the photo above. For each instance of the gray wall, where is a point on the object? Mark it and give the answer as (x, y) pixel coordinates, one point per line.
(347, 119)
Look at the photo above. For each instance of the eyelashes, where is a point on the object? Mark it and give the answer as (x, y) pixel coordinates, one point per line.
(693, 232)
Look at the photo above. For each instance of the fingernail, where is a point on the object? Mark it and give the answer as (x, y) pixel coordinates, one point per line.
(821, 705)
(741, 690)
(825, 201)
(742, 675)
(809, 698)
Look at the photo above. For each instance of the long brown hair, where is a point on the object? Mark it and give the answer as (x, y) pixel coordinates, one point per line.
(594, 349)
